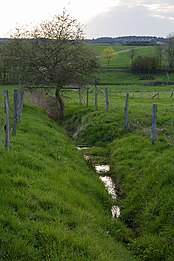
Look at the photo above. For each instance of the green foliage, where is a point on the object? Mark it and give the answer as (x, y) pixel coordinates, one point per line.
(108, 54)
(146, 64)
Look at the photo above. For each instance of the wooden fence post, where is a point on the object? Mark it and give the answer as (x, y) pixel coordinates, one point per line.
(80, 96)
(96, 98)
(7, 125)
(87, 96)
(15, 113)
(154, 117)
(107, 99)
(126, 112)
(21, 103)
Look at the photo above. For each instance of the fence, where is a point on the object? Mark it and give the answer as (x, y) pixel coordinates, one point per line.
(9, 124)
(141, 113)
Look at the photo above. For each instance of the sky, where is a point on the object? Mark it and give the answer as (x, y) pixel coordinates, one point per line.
(101, 18)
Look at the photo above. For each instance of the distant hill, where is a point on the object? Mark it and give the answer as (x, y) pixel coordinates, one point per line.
(121, 40)
(129, 40)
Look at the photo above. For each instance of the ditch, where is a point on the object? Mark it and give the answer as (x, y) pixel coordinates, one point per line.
(103, 169)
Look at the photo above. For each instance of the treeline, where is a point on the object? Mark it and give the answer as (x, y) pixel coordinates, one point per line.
(129, 40)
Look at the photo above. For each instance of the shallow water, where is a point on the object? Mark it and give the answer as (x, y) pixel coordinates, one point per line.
(109, 185)
(115, 210)
(108, 182)
(102, 168)
(83, 147)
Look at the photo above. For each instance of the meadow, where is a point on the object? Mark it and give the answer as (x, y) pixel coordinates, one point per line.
(54, 207)
(122, 59)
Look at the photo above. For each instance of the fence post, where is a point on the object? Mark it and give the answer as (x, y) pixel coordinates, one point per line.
(87, 96)
(21, 104)
(7, 125)
(154, 117)
(80, 96)
(96, 98)
(15, 113)
(107, 99)
(126, 112)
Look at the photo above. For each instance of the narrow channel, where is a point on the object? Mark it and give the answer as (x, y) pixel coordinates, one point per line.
(107, 181)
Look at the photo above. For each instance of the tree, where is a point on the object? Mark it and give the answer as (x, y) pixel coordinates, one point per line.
(108, 54)
(170, 51)
(52, 53)
(132, 53)
(145, 64)
(159, 54)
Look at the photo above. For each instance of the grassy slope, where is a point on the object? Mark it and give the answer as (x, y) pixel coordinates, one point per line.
(123, 60)
(143, 172)
(53, 206)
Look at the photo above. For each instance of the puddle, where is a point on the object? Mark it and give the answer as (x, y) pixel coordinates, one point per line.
(108, 183)
(83, 147)
(110, 186)
(115, 210)
(102, 168)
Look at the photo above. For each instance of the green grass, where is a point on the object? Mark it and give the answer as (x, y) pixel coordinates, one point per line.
(122, 60)
(53, 206)
(143, 172)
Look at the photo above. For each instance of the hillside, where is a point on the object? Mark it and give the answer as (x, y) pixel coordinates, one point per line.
(53, 206)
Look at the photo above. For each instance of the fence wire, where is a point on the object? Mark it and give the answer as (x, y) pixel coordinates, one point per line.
(139, 109)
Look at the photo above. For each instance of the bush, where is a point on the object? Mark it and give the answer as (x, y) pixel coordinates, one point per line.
(145, 64)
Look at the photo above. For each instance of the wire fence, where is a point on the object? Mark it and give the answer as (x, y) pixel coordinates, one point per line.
(151, 112)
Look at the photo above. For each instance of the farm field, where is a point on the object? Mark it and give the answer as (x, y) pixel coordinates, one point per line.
(122, 60)
(118, 72)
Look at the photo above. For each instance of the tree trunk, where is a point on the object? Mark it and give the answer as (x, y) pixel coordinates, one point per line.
(60, 101)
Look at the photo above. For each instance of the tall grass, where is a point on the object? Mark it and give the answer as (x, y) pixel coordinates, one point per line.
(53, 206)
(143, 172)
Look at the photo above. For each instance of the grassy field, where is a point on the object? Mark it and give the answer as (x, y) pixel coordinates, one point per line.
(53, 206)
(143, 172)
(122, 60)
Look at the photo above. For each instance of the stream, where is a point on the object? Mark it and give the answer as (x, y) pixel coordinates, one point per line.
(107, 181)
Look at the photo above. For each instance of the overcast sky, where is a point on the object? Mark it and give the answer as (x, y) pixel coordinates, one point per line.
(100, 17)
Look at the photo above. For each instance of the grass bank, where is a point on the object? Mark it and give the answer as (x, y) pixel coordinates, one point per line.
(53, 206)
(143, 172)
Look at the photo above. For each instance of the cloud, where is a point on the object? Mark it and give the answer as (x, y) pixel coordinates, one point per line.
(132, 20)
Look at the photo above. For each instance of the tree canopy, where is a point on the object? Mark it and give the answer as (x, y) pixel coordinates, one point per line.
(108, 54)
(52, 53)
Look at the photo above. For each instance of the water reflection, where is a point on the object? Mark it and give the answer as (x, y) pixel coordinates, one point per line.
(115, 210)
(102, 168)
(110, 186)
(108, 183)
(83, 147)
